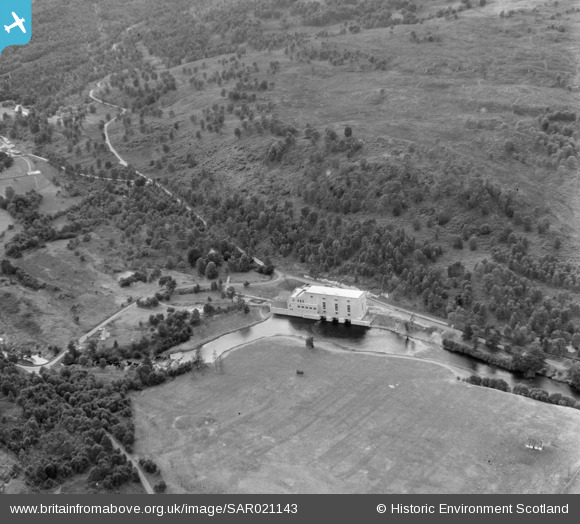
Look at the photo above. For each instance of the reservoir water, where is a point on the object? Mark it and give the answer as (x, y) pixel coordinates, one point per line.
(359, 338)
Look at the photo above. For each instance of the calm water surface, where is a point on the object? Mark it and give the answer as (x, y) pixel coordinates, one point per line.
(364, 339)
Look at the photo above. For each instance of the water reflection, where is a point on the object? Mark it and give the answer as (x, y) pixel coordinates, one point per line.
(372, 340)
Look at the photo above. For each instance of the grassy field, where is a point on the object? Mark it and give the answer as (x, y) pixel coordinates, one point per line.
(35, 319)
(351, 424)
(5, 220)
(17, 178)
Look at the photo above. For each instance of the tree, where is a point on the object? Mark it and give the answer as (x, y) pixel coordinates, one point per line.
(160, 487)
(9, 193)
(310, 343)
(237, 132)
(529, 361)
(574, 375)
(348, 131)
(200, 265)
(72, 353)
(231, 293)
(195, 317)
(457, 242)
(493, 339)
(211, 270)
(467, 331)
(193, 255)
(6, 267)
(148, 465)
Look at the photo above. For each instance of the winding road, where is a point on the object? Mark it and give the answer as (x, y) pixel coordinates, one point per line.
(388, 308)
(124, 163)
(36, 368)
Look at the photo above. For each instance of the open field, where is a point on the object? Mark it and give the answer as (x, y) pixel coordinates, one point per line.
(35, 319)
(5, 220)
(17, 178)
(351, 424)
(83, 289)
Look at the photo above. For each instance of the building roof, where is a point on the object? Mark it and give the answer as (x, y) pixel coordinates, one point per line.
(333, 291)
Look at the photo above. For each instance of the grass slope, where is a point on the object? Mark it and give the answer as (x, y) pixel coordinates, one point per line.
(352, 424)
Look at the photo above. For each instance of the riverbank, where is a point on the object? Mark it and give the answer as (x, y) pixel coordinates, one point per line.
(219, 326)
(354, 338)
(501, 360)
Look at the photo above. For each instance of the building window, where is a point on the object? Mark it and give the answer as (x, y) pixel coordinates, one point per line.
(336, 307)
(348, 309)
(324, 306)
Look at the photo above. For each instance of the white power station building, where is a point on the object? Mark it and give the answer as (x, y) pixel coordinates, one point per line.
(326, 303)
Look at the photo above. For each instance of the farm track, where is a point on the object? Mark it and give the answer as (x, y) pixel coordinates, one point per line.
(142, 477)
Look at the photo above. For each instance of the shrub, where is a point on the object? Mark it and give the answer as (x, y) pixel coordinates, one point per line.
(211, 270)
(457, 242)
(474, 379)
(443, 217)
(148, 465)
(160, 487)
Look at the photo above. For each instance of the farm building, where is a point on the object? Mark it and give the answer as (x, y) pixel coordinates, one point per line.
(326, 303)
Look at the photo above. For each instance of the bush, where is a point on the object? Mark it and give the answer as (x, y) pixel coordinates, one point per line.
(495, 360)
(488, 382)
(211, 270)
(443, 217)
(475, 379)
(160, 487)
(457, 242)
(521, 389)
(148, 465)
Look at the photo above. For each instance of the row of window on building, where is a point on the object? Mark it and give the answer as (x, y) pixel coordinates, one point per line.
(336, 307)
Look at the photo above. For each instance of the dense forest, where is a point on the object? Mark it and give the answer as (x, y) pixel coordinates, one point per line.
(60, 426)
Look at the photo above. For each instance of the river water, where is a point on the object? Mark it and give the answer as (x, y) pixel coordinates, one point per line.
(359, 338)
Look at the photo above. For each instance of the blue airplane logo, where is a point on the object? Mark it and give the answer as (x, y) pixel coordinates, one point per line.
(18, 22)
(16, 19)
